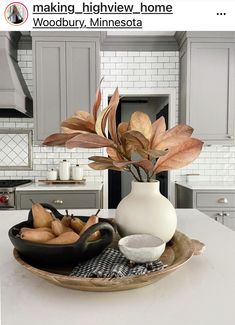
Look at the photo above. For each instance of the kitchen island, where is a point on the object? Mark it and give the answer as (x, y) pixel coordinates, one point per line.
(202, 292)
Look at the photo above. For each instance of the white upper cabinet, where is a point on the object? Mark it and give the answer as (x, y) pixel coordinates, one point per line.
(207, 88)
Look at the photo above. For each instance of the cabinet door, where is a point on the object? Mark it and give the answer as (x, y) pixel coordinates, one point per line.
(212, 84)
(81, 75)
(229, 219)
(50, 87)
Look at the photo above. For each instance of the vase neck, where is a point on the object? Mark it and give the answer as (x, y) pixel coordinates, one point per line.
(145, 188)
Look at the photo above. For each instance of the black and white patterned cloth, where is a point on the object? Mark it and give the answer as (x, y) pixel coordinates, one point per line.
(111, 263)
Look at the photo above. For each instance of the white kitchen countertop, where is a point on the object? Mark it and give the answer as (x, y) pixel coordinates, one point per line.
(202, 292)
(88, 186)
(201, 185)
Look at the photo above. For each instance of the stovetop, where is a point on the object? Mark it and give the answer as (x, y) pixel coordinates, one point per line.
(6, 183)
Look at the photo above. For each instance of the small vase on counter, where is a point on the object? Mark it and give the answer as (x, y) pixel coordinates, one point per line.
(64, 170)
(77, 173)
(52, 175)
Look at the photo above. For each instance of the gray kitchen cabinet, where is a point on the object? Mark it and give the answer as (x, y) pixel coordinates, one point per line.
(60, 199)
(217, 204)
(66, 74)
(207, 83)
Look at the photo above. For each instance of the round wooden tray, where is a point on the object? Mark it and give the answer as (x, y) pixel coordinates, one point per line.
(178, 251)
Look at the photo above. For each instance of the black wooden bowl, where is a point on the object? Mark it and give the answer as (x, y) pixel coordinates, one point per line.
(60, 254)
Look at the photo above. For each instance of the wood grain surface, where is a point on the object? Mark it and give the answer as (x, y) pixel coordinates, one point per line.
(178, 251)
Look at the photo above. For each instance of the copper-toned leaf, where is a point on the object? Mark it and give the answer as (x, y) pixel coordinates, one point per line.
(158, 127)
(67, 130)
(101, 159)
(152, 154)
(141, 122)
(122, 128)
(103, 166)
(89, 140)
(82, 115)
(97, 103)
(173, 137)
(122, 164)
(112, 116)
(133, 141)
(58, 139)
(179, 156)
(145, 164)
(75, 123)
(113, 154)
(136, 139)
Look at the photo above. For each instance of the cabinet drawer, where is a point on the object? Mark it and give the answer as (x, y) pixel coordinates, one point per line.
(214, 200)
(227, 217)
(81, 200)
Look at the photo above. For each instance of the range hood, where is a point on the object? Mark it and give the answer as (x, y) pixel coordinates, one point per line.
(15, 99)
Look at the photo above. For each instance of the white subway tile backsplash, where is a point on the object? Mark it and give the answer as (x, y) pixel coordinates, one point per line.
(124, 69)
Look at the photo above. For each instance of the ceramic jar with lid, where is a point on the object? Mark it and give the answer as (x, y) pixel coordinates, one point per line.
(64, 170)
(52, 175)
(77, 173)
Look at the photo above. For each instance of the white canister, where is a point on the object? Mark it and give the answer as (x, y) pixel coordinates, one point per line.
(64, 170)
(52, 175)
(77, 173)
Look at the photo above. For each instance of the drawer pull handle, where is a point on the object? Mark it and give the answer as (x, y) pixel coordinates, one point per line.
(58, 201)
(219, 214)
(230, 137)
(223, 200)
(226, 214)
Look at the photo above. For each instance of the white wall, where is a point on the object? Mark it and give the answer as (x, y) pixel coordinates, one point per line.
(140, 70)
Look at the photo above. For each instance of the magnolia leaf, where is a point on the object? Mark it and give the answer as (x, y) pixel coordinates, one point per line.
(89, 140)
(103, 166)
(67, 130)
(58, 139)
(158, 127)
(141, 122)
(113, 154)
(122, 164)
(153, 154)
(136, 139)
(112, 116)
(172, 137)
(82, 115)
(101, 159)
(122, 128)
(179, 156)
(97, 103)
(145, 164)
(75, 123)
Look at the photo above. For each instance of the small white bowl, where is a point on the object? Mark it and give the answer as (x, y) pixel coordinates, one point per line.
(141, 248)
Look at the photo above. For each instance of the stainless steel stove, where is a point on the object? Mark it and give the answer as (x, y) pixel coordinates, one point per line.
(7, 192)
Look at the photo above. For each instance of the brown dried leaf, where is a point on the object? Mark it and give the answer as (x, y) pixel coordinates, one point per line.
(89, 140)
(58, 139)
(122, 128)
(101, 159)
(158, 127)
(67, 130)
(113, 154)
(75, 123)
(141, 122)
(82, 115)
(179, 156)
(103, 166)
(112, 116)
(153, 154)
(97, 103)
(173, 137)
(145, 164)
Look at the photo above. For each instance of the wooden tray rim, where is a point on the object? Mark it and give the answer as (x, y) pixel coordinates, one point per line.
(107, 284)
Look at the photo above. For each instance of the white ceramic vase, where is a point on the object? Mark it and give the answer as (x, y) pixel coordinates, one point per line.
(146, 211)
